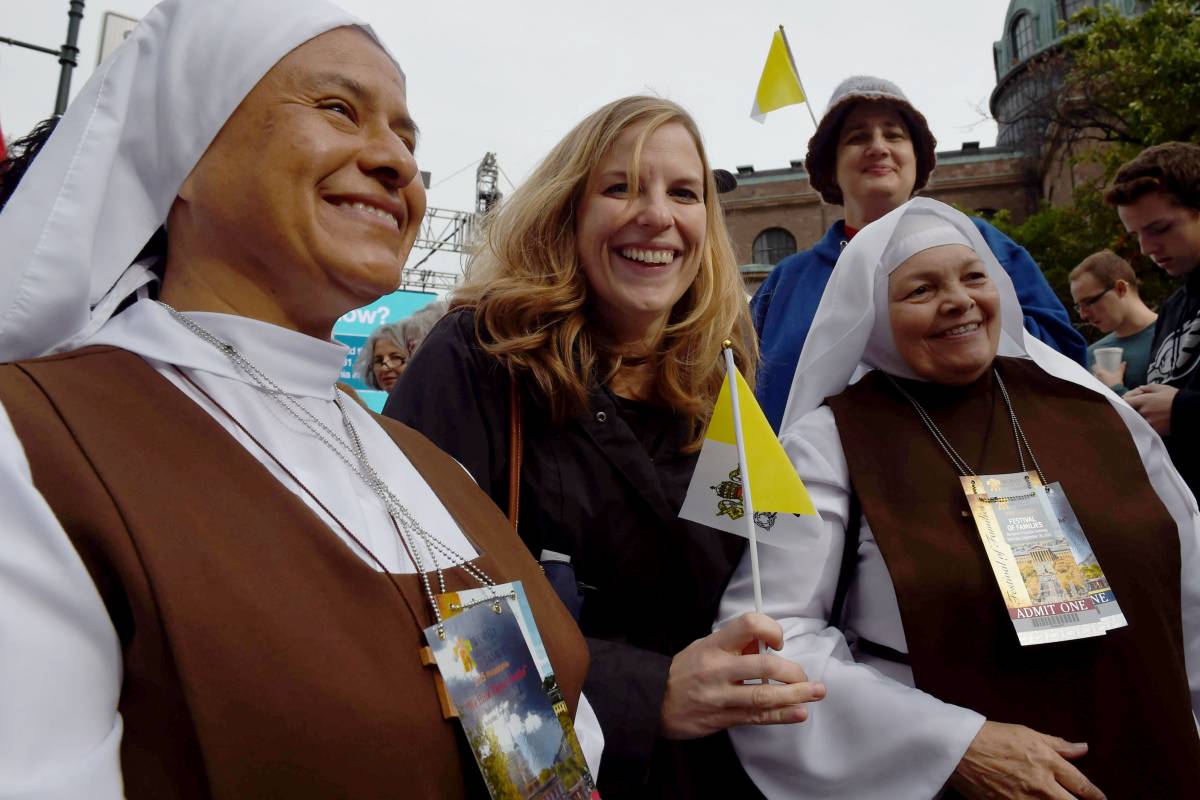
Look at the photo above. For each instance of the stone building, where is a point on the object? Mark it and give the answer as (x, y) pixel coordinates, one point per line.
(1028, 92)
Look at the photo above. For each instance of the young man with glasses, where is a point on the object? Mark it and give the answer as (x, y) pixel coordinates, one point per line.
(1157, 196)
(1105, 289)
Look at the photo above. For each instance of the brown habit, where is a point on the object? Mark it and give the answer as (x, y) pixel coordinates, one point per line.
(1126, 693)
(262, 658)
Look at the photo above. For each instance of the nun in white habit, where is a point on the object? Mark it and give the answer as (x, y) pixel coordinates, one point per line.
(215, 568)
(929, 692)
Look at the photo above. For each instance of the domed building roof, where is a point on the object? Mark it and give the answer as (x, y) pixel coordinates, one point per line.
(1032, 27)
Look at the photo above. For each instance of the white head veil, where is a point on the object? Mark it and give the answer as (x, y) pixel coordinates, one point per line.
(106, 178)
(852, 330)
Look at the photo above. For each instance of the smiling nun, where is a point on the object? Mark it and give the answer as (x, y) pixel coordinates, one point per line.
(232, 601)
(928, 685)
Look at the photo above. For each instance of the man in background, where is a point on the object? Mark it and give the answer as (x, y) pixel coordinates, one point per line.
(1105, 289)
(1157, 196)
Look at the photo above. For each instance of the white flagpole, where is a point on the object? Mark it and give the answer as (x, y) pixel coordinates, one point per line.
(747, 501)
(799, 80)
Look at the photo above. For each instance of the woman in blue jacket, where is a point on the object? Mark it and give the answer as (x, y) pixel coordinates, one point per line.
(872, 151)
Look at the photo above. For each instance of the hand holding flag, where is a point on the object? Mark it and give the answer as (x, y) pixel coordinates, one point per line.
(739, 434)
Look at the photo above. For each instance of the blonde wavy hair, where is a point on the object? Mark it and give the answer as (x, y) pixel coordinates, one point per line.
(530, 294)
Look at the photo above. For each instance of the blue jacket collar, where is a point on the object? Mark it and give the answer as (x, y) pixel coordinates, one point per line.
(830, 246)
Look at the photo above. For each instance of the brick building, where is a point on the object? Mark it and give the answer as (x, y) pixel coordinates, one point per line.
(775, 212)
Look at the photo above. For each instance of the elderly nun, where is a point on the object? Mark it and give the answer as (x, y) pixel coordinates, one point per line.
(895, 607)
(229, 597)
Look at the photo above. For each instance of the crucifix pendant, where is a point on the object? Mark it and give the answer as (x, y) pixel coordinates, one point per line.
(428, 660)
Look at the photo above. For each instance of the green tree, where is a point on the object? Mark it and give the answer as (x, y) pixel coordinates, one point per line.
(1060, 237)
(1134, 80)
(494, 765)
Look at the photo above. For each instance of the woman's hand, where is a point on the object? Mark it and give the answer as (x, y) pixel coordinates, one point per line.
(1014, 761)
(705, 689)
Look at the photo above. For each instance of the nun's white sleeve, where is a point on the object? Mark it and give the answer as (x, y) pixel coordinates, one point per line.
(1189, 546)
(872, 736)
(1181, 503)
(60, 660)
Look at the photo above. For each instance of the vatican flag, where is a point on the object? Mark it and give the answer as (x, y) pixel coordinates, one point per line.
(774, 498)
(780, 83)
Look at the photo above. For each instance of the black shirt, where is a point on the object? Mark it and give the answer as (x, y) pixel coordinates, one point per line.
(1175, 361)
(605, 489)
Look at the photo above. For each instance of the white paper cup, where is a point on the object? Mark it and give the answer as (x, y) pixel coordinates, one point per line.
(1109, 358)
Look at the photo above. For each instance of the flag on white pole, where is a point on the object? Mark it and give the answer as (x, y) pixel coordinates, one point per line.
(780, 83)
(781, 510)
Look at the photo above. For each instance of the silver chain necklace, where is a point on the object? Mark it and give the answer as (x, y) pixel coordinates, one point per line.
(960, 464)
(406, 524)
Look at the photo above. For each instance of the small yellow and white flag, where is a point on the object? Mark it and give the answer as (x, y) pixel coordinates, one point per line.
(780, 83)
(781, 509)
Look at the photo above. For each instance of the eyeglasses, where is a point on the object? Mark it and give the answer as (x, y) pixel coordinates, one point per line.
(389, 360)
(1088, 302)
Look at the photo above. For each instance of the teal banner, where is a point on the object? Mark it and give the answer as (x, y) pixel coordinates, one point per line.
(354, 328)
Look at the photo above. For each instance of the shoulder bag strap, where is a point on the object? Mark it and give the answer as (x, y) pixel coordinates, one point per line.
(514, 461)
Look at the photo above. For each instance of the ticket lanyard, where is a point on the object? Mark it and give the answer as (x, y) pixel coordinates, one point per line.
(960, 464)
(350, 451)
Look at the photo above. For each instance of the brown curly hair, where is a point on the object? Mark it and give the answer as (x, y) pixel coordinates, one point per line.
(1172, 168)
(530, 294)
(821, 160)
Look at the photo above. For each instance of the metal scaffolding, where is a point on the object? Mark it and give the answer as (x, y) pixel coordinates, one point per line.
(444, 230)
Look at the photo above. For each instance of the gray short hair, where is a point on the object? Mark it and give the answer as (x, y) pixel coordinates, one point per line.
(364, 362)
(417, 327)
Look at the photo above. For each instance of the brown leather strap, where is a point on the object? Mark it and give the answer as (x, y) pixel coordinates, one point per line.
(514, 461)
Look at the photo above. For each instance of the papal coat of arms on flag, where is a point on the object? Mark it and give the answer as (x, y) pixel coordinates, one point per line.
(783, 513)
(729, 501)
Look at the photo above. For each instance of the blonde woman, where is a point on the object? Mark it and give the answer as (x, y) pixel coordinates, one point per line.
(603, 292)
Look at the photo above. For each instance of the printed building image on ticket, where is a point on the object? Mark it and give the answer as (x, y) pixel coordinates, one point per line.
(1043, 586)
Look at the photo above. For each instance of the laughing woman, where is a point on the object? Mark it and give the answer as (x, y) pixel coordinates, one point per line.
(599, 303)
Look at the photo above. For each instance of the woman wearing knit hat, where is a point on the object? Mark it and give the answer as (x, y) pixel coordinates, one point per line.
(871, 152)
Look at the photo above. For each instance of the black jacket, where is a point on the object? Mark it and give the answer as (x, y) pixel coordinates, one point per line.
(1175, 361)
(606, 490)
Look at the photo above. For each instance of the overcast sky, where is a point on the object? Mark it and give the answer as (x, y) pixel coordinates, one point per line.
(513, 77)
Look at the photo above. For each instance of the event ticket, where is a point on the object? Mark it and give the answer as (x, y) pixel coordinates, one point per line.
(1101, 593)
(1041, 581)
(502, 684)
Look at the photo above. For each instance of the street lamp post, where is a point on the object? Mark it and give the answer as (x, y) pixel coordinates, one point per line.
(68, 54)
